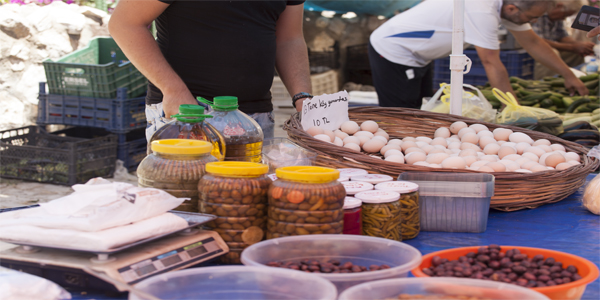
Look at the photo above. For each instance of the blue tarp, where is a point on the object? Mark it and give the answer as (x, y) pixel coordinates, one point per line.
(377, 8)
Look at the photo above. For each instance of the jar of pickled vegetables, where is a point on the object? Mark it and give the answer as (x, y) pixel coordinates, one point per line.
(305, 200)
(352, 216)
(409, 202)
(236, 192)
(175, 166)
(381, 214)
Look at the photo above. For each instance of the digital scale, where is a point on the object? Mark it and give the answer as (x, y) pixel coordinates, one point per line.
(117, 269)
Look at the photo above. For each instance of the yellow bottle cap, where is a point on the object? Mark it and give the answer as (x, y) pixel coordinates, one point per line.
(308, 174)
(181, 146)
(241, 168)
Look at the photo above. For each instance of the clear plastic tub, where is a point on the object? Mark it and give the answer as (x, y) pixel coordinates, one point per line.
(360, 250)
(391, 288)
(453, 202)
(236, 282)
(281, 152)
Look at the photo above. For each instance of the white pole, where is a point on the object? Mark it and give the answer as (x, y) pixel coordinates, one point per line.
(457, 59)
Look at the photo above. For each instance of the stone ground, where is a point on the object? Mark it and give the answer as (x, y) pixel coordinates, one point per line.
(15, 193)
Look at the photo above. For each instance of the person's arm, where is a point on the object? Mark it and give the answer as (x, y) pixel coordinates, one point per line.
(128, 26)
(543, 53)
(594, 32)
(568, 43)
(495, 69)
(292, 55)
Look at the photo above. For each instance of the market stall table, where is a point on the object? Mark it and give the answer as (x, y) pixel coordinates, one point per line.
(564, 226)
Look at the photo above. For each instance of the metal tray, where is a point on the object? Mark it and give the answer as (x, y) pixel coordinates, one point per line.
(193, 219)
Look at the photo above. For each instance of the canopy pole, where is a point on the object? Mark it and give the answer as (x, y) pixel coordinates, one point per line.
(458, 60)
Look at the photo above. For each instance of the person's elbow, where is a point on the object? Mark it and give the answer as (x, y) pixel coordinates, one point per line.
(488, 57)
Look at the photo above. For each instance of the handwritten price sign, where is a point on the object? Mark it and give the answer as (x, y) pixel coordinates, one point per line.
(325, 111)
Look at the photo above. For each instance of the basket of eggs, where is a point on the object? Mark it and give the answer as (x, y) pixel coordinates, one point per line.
(530, 168)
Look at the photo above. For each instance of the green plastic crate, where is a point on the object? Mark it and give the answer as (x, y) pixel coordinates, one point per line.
(97, 70)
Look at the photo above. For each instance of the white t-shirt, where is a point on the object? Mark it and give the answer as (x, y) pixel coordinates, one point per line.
(424, 33)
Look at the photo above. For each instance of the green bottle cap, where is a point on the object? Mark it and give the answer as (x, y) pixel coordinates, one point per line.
(191, 109)
(225, 102)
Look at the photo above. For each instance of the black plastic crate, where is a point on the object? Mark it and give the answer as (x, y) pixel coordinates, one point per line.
(357, 57)
(322, 61)
(30, 153)
(118, 115)
(517, 62)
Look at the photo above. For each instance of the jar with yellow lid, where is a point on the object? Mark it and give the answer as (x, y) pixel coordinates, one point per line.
(236, 192)
(409, 201)
(305, 200)
(176, 166)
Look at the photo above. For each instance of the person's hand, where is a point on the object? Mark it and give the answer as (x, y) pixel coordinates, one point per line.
(573, 84)
(299, 104)
(594, 32)
(172, 100)
(583, 48)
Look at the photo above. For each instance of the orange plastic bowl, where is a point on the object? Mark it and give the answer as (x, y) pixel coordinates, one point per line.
(572, 290)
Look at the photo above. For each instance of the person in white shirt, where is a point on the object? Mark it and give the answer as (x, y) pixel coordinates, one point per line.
(401, 49)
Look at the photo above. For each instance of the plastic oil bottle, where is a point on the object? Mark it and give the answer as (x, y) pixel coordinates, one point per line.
(243, 136)
(190, 124)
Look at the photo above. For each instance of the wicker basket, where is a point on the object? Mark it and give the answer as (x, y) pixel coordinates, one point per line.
(513, 191)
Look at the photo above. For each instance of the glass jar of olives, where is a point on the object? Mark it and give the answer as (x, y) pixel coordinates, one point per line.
(236, 192)
(305, 200)
(176, 166)
(381, 214)
(409, 202)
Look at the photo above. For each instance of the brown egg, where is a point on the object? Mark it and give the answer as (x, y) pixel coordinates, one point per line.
(408, 144)
(395, 141)
(389, 147)
(424, 139)
(491, 149)
(351, 139)
(350, 127)
(338, 142)
(435, 151)
(502, 134)
(464, 131)
(364, 133)
(531, 156)
(528, 165)
(372, 146)
(558, 147)
(409, 138)
(554, 159)
(323, 137)
(512, 157)
(369, 126)
(442, 132)
(506, 150)
(470, 159)
(486, 140)
(329, 133)
(352, 146)
(391, 152)
(541, 142)
(414, 157)
(395, 158)
(439, 141)
(314, 130)
(467, 152)
(454, 163)
(478, 164)
(538, 168)
(382, 133)
(470, 137)
(572, 156)
(478, 127)
(466, 145)
(496, 166)
(363, 139)
(414, 149)
(485, 133)
(436, 158)
(342, 135)
(563, 166)
(519, 137)
(457, 126)
(485, 169)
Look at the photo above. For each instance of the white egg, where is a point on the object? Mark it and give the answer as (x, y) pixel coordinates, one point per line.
(486, 140)
(489, 158)
(454, 145)
(535, 150)
(496, 166)
(342, 135)
(323, 137)
(510, 144)
(470, 159)
(393, 152)
(351, 140)
(436, 150)
(389, 147)
(369, 126)
(349, 127)
(464, 131)
(454, 136)
(563, 166)
(491, 149)
(314, 130)
(329, 133)
(442, 132)
(478, 127)
(427, 148)
(424, 139)
(452, 140)
(439, 141)
(408, 144)
(409, 138)
(421, 144)
(457, 126)
(519, 137)
(395, 158)
(363, 139)
(467, 152)
(506, 150)
(454, 163)
(450, 151)
(421, 163)
(521, 147)
(374, 145)
(436, 166)
(466, 145)
(558, 147)
(542, 160)
(414, 149)
(485, 169)
(478, 163)
(512, 157)
(381, 132)
(380, 137)
(501, 142)
(572, 156)
(554, 159)
(455, 151)
(440, 147)
(338, 142)
(523, 171)
(502, 134)
(531, 156)
(538, 168)
(522, 160)
(414, 157)
(480, 154)
(542, 142)
(545, 148)
(528, 165)
(352, 146)
(436, 158)
(512, 166)
(395, 141)
(485, 133)
(364, 133)
(573, 162)
(470, 137)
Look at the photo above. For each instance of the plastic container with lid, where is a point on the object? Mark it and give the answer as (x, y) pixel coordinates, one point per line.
(453, 202)
(352, 216)
(236, 282)
(236, 192)
(301, 193)
(372, 178)
(354, 187)
(409, 200)
(176, 166)
(349, 172)
(451, 288)
(243, 136)
(381, 214)
(282, 152)
(189, 124)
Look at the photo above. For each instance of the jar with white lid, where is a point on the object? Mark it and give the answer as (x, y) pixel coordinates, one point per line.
(372, 178)
(381, 214)
(354, 187)
(352, 216)
(349, 172)
(409, 202)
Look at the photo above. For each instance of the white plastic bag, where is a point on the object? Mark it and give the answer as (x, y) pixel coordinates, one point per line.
(591, 196)
(97, 205)
(473, 106)
(15, 285)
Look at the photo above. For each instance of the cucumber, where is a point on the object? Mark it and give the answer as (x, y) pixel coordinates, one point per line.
(589, 77)
(567, 101)
(581, 134)
(592, 84)
(576, 104)
(557, 83)
(549, 78)
(578, 125)
(546, 103)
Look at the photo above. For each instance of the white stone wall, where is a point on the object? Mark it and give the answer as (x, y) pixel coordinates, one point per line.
(30, 34)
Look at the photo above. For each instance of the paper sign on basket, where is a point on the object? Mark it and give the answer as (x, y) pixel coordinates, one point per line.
(325, 111)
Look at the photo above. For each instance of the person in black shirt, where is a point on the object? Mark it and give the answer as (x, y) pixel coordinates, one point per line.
(214, 48)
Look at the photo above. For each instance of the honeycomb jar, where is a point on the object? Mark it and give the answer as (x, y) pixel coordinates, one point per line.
(305, 200)
(236, 192)
(381, 216)
(176, 166)
(409, 202)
